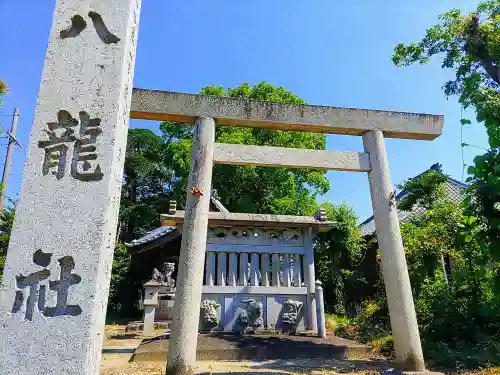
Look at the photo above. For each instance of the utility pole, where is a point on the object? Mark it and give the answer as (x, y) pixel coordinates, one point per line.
(8, 157)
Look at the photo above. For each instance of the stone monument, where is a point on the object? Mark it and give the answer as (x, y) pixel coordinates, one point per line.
(57, 272)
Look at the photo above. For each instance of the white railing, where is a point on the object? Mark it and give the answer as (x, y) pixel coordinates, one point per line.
(256, 268)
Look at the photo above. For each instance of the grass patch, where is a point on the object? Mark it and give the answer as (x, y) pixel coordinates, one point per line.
(333, 321)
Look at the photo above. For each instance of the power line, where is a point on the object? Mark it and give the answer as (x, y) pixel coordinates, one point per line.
(470, 145)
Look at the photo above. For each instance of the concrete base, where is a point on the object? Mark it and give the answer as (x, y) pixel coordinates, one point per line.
(260, 346)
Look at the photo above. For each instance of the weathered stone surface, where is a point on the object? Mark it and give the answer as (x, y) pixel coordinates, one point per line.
(395, 271)
(320, 309)
(209, 317)
(52, 318)
(150, 303)
(182, 355)
(181, 107)
(291, 157)
(253, 220)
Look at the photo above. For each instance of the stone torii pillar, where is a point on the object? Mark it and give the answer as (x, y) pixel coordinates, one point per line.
(57, 273)
(184, 335)
(395, 271)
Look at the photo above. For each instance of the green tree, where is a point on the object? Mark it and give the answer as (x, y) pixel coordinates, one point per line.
(427, 239)
(3, 88)
(336, 251)
(424, 190)
(249, 188)
(120, 283)
(6, 221)
(3, 91)
(430, 235)
(459, 319)
(147, 184)
(469, 44)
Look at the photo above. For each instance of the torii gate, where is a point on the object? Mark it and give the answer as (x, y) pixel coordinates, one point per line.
(56, 279)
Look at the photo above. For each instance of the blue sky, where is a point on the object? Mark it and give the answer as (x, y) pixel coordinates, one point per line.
(327, 52)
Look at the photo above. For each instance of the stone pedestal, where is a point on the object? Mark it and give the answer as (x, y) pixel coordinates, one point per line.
(165, 310)
(58, 265)
(166, 292)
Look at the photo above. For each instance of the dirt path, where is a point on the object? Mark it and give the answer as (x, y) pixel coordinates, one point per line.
(116, 337)
(114, 364)
(117, 364)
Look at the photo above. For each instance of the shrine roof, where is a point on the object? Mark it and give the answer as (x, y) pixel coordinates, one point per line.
(167, 233)
(454, 191)
(253, 220)
(151, 236)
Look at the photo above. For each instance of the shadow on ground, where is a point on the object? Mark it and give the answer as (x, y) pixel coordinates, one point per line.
(293, 366)
(124, 336)
(318, 364)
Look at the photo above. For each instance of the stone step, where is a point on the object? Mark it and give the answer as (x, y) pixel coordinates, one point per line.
(229, 346)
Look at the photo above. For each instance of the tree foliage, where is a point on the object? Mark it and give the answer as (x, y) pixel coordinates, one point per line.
(336, 252)
(3, 91)
(7, 216)
(6, 221)
(120, 281)
(430, 235)
(3, 88)
(464, 315)
(470, 45)
(458, 316)
(146, 188)
(423, 190)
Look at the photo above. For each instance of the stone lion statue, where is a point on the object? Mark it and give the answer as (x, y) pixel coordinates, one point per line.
(209, 316)
(290, 314)
(249, 319)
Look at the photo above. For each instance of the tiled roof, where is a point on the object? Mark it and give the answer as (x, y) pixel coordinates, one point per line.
(159, 233)
(151, 236)
(453, 191)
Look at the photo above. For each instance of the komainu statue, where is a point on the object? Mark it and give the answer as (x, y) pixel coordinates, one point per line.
(290, 315)
(250, 318)
(209, 316)
(165, 277)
